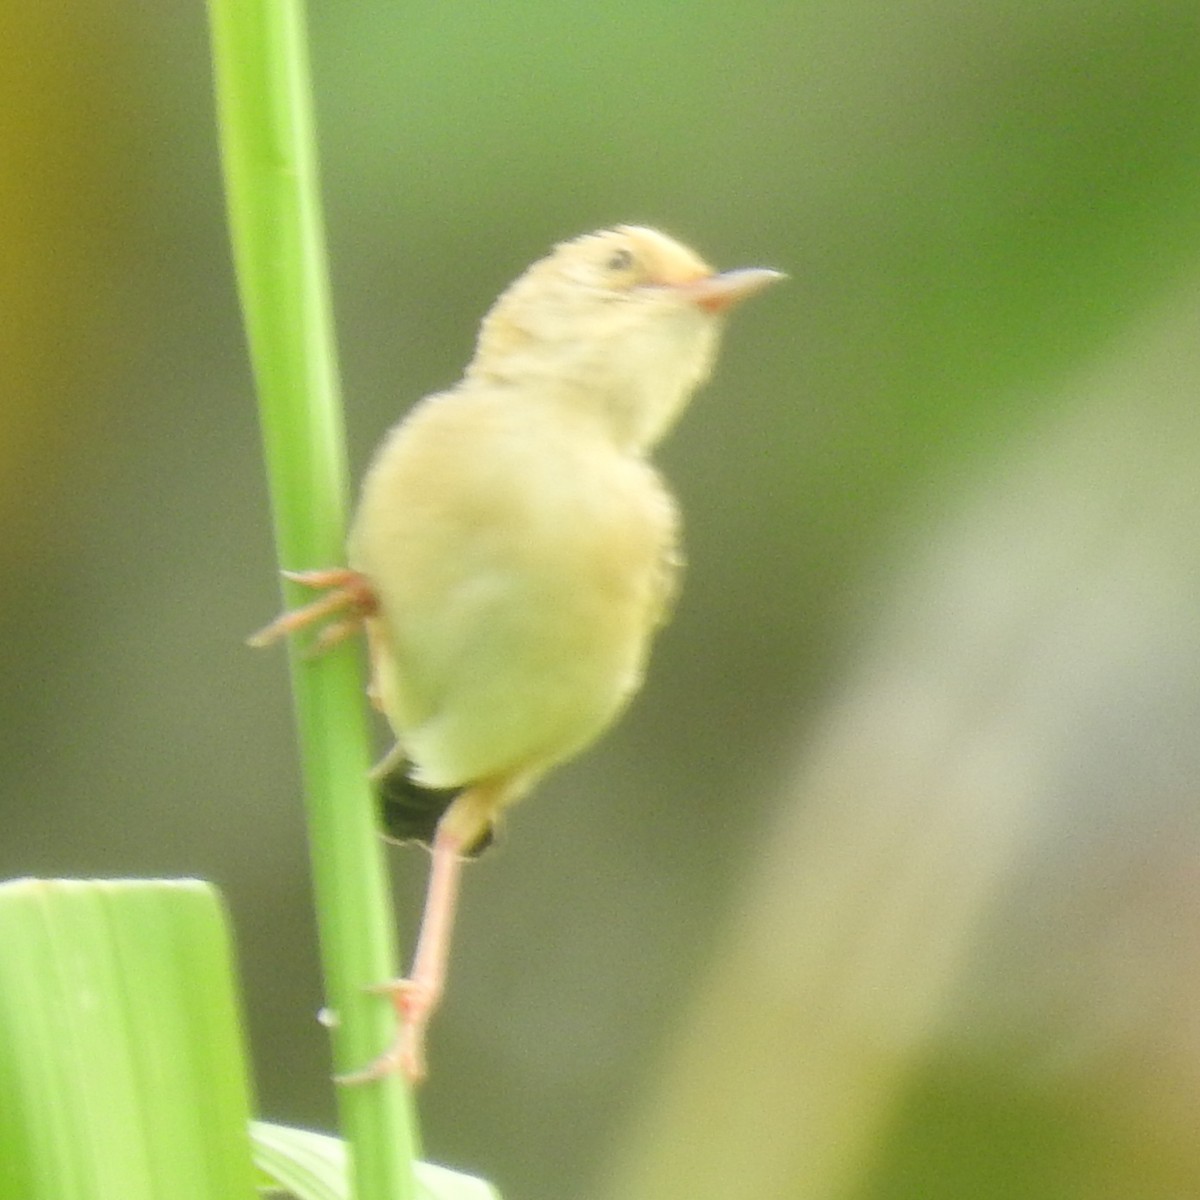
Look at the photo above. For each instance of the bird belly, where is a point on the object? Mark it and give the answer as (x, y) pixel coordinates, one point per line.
(517, 675)
(515, 618)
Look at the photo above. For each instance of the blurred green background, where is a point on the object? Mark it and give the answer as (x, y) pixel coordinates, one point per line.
(889, 884)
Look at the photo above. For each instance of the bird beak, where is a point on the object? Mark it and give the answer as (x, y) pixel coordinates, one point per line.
(718, 293)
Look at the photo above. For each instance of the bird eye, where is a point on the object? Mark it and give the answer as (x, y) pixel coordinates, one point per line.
(620, 260)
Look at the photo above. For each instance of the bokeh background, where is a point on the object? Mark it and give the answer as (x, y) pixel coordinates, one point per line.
(889, 884)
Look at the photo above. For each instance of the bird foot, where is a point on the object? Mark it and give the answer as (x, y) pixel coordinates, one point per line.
(415, 1003)
(349, 593)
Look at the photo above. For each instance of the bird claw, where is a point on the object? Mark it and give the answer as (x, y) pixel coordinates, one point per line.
(395, 1058)
(414, 1003)
(349, 592)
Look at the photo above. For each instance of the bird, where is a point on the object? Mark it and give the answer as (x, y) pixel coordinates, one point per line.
(514, 550)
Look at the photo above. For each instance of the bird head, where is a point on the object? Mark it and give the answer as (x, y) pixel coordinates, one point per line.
(620, 325)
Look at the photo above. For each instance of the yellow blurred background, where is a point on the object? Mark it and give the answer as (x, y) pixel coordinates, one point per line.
(889, 884)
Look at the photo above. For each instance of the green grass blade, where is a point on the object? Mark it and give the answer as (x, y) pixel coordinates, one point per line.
(121, 1061)
(268, 149)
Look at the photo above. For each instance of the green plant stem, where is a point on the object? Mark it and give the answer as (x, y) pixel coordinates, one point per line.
(268, 148)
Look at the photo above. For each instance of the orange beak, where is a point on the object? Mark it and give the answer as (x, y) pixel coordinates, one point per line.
(717, 293)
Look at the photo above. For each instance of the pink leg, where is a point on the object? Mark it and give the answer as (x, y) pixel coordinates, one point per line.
(416, 998)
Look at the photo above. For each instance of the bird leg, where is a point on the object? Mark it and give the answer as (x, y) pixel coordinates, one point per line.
(416, 998)
(349, 593)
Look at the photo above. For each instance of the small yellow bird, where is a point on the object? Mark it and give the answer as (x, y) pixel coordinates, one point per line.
(513, 552)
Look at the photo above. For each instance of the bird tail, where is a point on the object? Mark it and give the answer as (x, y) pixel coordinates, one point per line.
(410, 812)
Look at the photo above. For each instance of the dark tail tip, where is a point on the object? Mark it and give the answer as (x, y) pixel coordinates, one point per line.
(410, 812)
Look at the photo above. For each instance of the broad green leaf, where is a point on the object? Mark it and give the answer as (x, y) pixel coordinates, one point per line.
(313, 1167)
(121, 1062)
